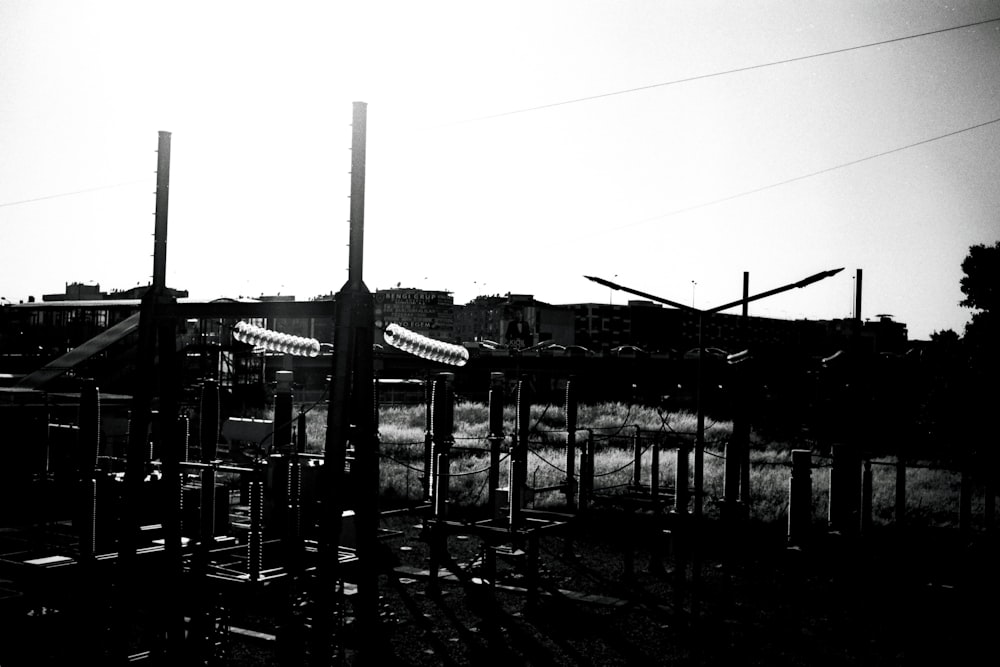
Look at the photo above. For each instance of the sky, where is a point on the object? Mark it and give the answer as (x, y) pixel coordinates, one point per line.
(668, 146)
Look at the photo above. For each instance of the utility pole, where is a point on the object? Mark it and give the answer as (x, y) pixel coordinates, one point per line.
(350, 421)
(700, 313)
(155, 377)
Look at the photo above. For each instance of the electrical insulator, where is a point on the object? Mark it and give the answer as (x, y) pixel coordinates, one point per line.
(275, 341)
(424, 347)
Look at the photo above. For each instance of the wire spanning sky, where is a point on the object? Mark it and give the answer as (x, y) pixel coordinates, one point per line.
(512, 146)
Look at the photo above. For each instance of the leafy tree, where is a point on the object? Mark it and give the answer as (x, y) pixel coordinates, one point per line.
(981, 283)
(981, 287)
(946, 338)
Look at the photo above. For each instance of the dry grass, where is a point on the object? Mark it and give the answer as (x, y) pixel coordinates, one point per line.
(932, 493)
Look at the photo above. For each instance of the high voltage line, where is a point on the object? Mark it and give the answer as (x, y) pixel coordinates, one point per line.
(660, 85)
(804, 176)
(75, 192)
(737, 70)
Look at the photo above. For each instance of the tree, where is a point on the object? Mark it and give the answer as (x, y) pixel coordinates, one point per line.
(978, 390)
(981, 283)
(981, 287)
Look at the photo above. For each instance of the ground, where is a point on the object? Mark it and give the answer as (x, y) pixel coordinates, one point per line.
(742, 598)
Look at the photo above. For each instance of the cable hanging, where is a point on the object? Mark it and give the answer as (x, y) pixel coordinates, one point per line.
(711, 75)
(802, 177)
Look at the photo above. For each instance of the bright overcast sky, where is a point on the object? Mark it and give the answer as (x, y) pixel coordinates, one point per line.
(511, 147)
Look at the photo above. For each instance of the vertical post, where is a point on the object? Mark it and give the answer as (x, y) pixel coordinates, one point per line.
(162, 201)
(377, 398)
(208, 442)
(428, 480)
(866, 497)
(282, 438)
(965, 498)
(845, 493)
(732, 469)
(857, 295)
(302, 437)
(989, 491)
(519, 454)
(744, 465)
(89, 442)
(170, 458)
(155, 363)
(654, 475)
(349, 420)
(443, 427)
(699, 442)
(495, 438)
(800, 497)
(682, 495)
(737, 464)
(746, 306)
(571, 412)
(358, 160)
(636, 461)
(586, 471)
(900, 490)
(442, 431)
(208, 430)
(255, 544)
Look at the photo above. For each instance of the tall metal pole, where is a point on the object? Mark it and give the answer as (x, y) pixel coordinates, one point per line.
(699, 442)
(157, 346)
(744, 396)
(350, 420)
(857, 296)
(358, 155)
(162, 200)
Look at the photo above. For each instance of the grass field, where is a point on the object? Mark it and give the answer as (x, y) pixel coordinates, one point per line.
(932, 491)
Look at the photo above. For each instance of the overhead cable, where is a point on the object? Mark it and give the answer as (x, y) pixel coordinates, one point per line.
(75, 192)
(826, 170)
(699, 77)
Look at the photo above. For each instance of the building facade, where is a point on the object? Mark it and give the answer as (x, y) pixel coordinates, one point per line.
(427, 312)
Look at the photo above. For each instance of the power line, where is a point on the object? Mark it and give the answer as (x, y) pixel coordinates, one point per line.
(75, 192)
(737, 70)
(805, 176)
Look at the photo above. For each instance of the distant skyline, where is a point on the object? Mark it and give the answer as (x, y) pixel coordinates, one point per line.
(511, 147)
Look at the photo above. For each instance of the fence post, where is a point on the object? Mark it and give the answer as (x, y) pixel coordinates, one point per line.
(866, 497)
(683, 491)
(654, 475)
(519, 454)
(208, 442)
(282, 431)
(965, 498)
(89, 444)
(637, 461)
(845, 493)
(900, 490)
(731, 484)
(587, 471)
(571, 418)
(442, 431)
(427, 481)
(990, 490)
(495, 437)
(736, 486)
(800, 497)
(255, 543)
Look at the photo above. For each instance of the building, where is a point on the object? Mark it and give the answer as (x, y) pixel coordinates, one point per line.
(430, 313)
(480, 319)
(82, 292)
(486, 318)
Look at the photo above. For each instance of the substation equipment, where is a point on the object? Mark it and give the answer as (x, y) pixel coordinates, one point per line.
(153, 560)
